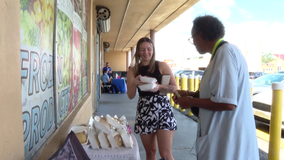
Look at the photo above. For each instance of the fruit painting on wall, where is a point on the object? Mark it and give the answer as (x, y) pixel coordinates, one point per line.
(36, 52)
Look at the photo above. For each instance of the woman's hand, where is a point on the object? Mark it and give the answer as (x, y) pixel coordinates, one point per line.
(137, 80)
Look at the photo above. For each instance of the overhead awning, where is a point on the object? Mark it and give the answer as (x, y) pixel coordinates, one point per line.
(132, 19)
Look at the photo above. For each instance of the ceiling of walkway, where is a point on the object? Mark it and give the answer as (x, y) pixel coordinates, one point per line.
(133, 19)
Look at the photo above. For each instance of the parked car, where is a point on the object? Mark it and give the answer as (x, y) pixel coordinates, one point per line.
(280, 72)
(262, 107)
(262, 97)
(175, 70)
(264, 83)
(189, 72)
(254, 75)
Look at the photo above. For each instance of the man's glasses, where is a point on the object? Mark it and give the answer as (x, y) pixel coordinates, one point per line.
(191, 38)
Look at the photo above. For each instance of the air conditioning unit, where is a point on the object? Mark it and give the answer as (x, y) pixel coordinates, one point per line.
(103, 18)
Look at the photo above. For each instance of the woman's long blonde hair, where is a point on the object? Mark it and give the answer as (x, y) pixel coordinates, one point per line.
(137, 57)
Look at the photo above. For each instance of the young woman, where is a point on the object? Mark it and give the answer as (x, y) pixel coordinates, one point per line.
(155, 121)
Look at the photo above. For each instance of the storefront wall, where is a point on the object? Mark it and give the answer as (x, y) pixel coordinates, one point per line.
(11, 139)
(82, 109)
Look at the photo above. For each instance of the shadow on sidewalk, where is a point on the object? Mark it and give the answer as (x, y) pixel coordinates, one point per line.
(184, 138)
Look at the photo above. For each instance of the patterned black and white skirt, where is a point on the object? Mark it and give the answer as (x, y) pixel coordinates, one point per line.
(153, 113)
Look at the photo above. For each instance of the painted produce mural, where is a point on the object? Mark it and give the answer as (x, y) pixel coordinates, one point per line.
(71, 56)
(53, 75)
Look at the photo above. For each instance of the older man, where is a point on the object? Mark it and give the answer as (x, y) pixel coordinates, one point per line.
(226, 126)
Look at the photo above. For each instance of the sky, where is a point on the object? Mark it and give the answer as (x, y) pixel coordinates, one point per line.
(255, 26)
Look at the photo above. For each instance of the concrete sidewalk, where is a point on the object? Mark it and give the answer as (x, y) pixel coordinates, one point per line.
(184, 138)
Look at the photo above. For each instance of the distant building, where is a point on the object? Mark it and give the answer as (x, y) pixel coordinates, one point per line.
(275, 65)
(171, 63)
(199, 63)
(196, 63)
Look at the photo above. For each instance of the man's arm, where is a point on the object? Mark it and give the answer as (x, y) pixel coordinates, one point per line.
(188, 102)
(109, 78)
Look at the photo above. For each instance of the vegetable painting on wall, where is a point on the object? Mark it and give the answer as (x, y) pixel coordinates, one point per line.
(53, 63)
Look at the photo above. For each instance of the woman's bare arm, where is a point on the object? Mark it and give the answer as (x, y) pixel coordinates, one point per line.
(132, 83)
(131, 86)
(166, 70)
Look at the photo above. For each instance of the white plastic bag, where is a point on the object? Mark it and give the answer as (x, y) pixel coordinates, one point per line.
(115, 139)
(81, 132)
(127, 139)
(100, 126)
(105, 144)
(93, 138)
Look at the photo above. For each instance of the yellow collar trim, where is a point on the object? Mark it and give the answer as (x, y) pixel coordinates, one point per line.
(215, 46)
